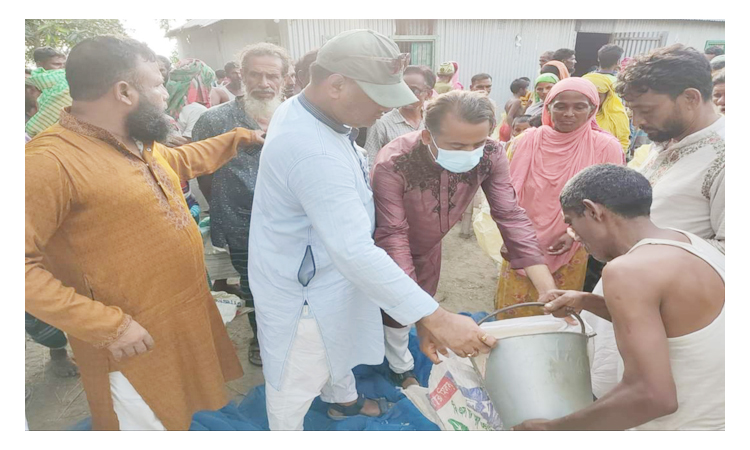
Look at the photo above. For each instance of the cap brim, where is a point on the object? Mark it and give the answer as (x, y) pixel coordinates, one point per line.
(389, 95)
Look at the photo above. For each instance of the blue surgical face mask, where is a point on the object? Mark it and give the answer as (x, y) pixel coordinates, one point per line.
(457, 161)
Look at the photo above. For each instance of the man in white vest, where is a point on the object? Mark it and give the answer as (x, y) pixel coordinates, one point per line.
(663, 293)
(669, 92)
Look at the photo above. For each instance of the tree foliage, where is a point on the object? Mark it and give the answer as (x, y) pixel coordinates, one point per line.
(63, 34)
(166, 24)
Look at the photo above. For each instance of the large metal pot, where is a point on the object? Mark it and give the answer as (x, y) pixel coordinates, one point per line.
(538, 376)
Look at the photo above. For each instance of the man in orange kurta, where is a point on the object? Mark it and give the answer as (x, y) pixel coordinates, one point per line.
(113, 257)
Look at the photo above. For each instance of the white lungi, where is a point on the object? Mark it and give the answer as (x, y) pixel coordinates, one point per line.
(306, 375)
(132, 411)
(400, 359)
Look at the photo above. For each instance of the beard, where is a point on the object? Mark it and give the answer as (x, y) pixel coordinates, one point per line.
(147, 122)
(261, 109)
(674, 126)
(671, 129)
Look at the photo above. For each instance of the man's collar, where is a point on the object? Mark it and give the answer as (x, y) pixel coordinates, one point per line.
(692, 138)
(400, 117)
(72, 123)
(336, 126)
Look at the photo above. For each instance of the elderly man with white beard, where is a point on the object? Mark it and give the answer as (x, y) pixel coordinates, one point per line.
(230, 197)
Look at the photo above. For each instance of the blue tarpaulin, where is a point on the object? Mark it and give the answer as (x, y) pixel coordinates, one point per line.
(372, 381)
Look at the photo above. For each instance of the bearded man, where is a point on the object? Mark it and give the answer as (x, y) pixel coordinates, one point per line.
(230, 198)
(113, 257)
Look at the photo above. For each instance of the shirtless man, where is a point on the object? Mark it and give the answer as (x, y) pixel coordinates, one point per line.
(225, 93)
(663, 293)
(516, 106)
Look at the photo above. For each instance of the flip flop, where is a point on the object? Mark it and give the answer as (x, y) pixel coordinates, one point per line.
(355, 409)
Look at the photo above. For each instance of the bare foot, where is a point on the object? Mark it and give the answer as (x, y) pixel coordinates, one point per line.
(371, 408)
(411, 381)
(405, 379)
(62, 365)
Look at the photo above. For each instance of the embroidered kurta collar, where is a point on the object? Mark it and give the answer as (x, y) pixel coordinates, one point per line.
(72, 123)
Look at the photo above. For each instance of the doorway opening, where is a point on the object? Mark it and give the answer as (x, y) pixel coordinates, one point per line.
(587, 48)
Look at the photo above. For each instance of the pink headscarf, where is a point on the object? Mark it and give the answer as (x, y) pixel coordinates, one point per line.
(561, 67)
(454, 78)
(545, 159)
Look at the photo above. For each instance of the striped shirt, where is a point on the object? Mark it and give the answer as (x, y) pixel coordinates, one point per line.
(55, 96)
(388, 128)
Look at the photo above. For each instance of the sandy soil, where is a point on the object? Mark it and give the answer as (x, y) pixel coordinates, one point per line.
(468, 281)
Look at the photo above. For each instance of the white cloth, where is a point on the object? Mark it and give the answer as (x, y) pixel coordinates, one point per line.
(606, 356)
(696, 359)
(311, 241)
(308, 376)
(397, 352)
(688, 184)
(189, 115)
(132, 411)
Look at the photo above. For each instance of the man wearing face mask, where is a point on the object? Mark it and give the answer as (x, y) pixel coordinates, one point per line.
(113, 257)
(423, 182)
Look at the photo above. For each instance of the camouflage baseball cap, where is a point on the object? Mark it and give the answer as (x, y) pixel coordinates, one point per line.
(373, 61)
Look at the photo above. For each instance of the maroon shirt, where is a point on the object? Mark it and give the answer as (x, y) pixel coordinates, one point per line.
(417, 202)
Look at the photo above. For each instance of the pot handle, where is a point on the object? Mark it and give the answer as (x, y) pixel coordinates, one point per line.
(583, 327)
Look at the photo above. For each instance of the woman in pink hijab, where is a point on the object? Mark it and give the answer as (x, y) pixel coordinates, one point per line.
(454, 78)
(542, 160)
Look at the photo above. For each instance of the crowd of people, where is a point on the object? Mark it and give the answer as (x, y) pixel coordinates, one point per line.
(328, 185)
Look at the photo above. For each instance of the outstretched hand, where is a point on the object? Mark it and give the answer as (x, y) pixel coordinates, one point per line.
(429, 345)
(459, 333)
(250, 137)
(560, 303)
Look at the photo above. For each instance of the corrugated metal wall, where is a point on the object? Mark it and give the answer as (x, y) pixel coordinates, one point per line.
(303, 35)
(506, 49)
(693, 33)
(636, 43)
(491, 46)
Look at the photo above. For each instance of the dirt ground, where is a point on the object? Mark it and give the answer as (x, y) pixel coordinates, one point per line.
(467, 283)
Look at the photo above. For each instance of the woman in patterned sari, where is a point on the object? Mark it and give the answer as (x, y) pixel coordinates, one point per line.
(542, 160)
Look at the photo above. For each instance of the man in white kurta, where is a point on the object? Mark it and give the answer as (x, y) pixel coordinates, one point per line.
(318, 279)
(669, 93)
(688, 182)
